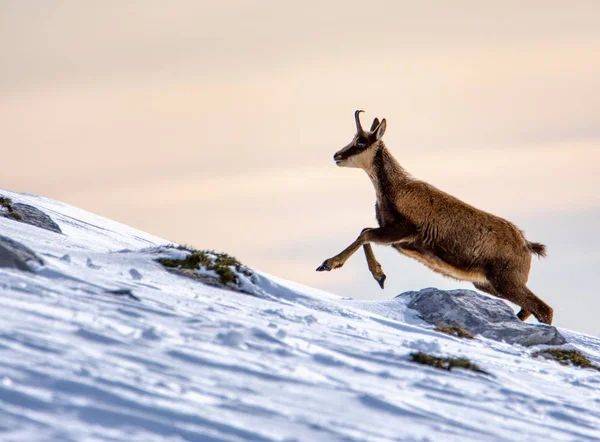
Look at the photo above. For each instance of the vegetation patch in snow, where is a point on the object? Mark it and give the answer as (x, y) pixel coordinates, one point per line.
(567, 357)
(445, 363)
(454, 330)
(214, 268)
(7, 204)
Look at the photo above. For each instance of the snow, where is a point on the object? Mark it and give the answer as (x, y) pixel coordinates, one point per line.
(192, 362)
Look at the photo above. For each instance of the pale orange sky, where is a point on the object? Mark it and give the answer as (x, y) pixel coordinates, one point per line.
(214, 124)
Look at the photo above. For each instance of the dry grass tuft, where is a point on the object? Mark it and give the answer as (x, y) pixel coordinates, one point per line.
(220, 263)
(445, 363)
(15, 215)
(7, 204)
(454, 330)
(567, 357)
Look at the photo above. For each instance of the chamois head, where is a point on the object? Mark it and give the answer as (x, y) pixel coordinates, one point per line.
(360, 151)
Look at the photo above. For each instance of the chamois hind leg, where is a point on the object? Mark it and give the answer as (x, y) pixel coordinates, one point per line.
(515, 291)
(524, 314)
(488, 288)
(374, 266)
(534, 305)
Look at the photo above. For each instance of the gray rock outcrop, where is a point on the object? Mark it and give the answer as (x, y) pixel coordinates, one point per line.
(35, 217)
(30, 215)
(480, 314)
(14, 255)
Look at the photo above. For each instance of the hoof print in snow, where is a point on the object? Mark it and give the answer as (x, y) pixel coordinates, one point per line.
(27, 214)
(124, 292)
(216, 269)
(137, 276)
(14, 255)
(480, 315)
(90, 264)
(231, 338)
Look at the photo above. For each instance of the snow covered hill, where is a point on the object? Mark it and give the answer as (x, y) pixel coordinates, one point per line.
(81, 360)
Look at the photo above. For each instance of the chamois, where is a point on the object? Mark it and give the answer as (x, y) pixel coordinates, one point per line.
(446, 234)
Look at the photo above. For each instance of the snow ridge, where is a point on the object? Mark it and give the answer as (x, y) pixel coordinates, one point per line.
(194, 362)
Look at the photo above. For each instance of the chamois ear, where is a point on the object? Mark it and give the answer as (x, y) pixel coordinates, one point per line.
(375, 124)
(380, 130)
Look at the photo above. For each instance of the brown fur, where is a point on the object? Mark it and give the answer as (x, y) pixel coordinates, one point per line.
(446, 234)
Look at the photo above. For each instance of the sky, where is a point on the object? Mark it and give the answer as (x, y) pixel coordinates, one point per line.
(214, 124)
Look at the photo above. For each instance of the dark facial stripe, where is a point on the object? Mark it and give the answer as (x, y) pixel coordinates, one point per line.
(350, 151)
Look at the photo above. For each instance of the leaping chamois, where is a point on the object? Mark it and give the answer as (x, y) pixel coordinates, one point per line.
(446, 234)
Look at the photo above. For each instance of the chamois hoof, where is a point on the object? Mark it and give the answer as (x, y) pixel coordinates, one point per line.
(381, 281)
(323, 268)
(523, 314)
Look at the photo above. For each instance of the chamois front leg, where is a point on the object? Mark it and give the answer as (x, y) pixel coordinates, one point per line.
(340, 259)
(379, 235)
(374, 266)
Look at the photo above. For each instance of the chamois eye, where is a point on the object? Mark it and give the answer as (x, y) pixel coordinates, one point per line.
(361, 142)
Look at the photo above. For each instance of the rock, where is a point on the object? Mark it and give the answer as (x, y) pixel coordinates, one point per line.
(30, 215)
(35, 217)
(14, 255)
(480, 314)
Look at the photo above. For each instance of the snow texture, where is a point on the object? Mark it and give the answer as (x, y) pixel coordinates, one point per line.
(81, 360)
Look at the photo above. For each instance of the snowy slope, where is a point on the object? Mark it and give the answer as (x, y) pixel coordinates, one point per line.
(192, 362)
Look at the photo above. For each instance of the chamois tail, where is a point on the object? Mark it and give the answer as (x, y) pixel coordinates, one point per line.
(537, 248)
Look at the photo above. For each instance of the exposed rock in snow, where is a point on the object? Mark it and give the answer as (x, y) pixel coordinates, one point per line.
(14, 255)
(480, 314)
(31, 215)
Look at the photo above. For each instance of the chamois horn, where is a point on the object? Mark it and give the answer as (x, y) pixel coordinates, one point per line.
(359, 128)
